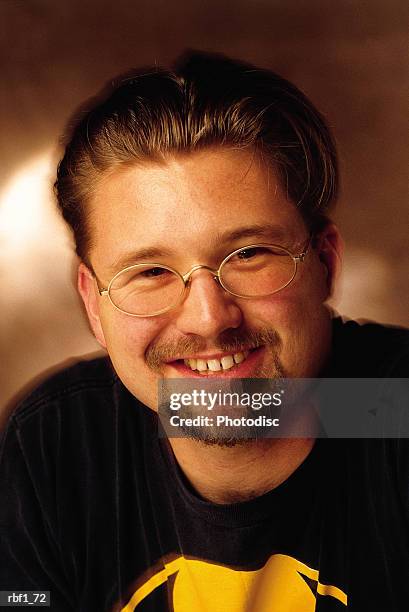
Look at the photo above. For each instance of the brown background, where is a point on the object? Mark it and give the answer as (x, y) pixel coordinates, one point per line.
(349, 56)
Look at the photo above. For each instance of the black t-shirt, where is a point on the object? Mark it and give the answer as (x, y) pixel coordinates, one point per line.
(95, 509)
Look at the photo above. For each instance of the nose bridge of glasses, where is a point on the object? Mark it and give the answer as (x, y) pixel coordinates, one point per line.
(186, 277)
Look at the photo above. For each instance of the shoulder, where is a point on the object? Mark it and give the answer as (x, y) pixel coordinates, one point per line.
(370, 349)
(81, 404)
(73, 421)
(86, 378)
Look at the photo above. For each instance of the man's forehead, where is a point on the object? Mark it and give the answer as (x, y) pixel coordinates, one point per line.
(218, 171)
(154, 211)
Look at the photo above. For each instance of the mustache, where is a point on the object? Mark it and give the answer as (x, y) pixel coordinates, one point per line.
(229, 341)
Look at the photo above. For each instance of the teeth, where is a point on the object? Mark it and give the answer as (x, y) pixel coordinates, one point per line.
(227, 362)
(201, 365)
(192, 363)
(215, 365)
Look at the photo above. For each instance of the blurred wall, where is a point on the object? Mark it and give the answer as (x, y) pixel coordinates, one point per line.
(349, 56)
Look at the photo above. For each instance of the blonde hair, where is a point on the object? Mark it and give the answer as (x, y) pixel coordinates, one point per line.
(207, 100)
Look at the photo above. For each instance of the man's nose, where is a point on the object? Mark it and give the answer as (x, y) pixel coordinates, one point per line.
(207, 309)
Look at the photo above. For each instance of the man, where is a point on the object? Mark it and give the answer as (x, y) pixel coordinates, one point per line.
(199, 200)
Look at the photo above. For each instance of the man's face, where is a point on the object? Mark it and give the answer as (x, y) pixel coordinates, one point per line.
(196, 209)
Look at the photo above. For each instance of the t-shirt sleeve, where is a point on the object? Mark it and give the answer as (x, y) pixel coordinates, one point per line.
(29, 549)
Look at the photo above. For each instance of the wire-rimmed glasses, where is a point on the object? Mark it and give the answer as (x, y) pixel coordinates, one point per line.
(252, 271)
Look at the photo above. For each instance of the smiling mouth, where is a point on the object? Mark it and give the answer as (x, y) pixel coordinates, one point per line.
(215, 364)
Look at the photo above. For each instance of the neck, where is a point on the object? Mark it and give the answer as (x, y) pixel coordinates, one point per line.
(225, 475)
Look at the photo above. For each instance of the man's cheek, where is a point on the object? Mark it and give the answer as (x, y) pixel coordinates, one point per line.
(125, 332)
(277, 311)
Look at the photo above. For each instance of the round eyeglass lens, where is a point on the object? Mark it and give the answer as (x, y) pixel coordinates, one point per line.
(258, 270)
(146, 289)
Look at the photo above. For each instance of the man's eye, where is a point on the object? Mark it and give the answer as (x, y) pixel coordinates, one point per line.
(248, 253)
(260, 253)
(153, 272)
(254, 253)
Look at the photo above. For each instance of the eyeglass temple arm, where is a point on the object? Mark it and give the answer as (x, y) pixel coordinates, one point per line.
(300, 258)
(100, 291)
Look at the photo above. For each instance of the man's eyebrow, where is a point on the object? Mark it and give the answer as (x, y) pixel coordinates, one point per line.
(265, 231)
(147, 254)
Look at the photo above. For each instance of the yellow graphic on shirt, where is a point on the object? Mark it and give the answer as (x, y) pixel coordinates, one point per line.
(283, 585)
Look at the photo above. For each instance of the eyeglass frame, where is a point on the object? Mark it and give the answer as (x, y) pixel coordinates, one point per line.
(216, 276)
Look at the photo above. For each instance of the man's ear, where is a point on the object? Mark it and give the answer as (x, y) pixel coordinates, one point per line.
(88, 290)
(330, 248)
